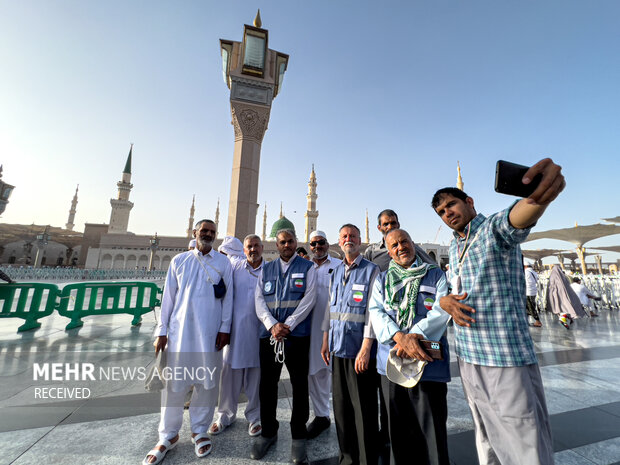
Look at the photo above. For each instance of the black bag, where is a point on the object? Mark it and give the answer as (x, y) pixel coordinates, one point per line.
(219, 289)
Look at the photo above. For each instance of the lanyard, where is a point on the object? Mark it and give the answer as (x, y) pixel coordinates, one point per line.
(466, 250)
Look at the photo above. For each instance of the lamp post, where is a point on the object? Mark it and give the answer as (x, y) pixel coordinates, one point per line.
(254, 74)
(154, 241)
(5, 192)
(42, 240)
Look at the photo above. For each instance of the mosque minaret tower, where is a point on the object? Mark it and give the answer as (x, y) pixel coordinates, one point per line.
(190, 225)
(311, 214)
(70, 221)
(459, 179)
(121, 206)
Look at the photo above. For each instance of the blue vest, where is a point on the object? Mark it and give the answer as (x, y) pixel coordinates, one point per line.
(438, 370)
(282, 292)
(347, 308)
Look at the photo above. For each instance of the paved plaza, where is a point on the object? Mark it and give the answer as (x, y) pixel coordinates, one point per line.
(117, 424)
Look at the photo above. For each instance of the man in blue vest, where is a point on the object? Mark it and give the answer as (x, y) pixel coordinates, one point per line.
(285, 296)
(404, 308)
(349, 342)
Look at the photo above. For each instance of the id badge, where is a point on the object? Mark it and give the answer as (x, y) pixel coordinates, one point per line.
(455, 283)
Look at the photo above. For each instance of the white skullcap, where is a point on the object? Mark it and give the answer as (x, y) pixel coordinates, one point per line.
(232, 247)
(317, 233)
(192, 243)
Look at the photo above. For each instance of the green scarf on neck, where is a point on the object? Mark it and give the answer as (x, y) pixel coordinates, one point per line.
(403, 303)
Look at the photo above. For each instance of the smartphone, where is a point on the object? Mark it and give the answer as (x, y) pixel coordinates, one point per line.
(508, 178)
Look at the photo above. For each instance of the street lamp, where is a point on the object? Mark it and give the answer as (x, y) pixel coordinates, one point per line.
(5, 192)
(154, 241)
(42, 240)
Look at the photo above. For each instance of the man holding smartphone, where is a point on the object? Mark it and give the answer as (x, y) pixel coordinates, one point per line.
(498, 365)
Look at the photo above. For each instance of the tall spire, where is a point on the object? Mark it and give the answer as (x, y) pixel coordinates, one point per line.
(217, 217)
(121, 206)
(311, 213)
(265, 223)
(281, 214)
(128, 163)
(459, 179)
(72, 211)
(190, 225)
(367, 229)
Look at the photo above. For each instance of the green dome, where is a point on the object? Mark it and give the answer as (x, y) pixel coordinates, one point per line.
(282, 223)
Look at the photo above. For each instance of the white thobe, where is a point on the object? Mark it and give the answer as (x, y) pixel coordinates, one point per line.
(243, 349)
(323, 277)
(241, 361)
(191, 316)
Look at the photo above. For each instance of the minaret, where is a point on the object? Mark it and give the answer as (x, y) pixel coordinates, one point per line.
(121, 206)
(74, 202)
(254, 74)
(190, 225)
(311, 214)
(367, 229)
(459, 179)
(265, 224)
(217, 218)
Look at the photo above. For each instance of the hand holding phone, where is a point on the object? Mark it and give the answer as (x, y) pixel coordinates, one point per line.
(541, 183)
(508, 179)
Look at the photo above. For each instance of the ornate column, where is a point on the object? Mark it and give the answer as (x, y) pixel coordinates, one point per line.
(254, 75)
(581, 253)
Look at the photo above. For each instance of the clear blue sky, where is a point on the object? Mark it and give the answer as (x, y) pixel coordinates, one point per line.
(383, 98)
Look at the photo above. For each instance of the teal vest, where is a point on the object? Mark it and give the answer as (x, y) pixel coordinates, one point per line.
(282, 292)
(438, 370)
(347, 308)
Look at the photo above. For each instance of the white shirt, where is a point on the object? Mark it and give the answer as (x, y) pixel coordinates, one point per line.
(191, 316)
(582, 292)
(243, 349)
(531, 279)
(303, 308)
(323, 272)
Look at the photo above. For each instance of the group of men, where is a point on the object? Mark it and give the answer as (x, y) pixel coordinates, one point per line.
(364, 319)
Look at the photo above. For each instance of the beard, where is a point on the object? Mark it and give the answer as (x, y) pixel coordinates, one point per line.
(203, 243)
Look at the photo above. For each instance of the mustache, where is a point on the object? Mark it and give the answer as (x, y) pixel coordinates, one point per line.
(349, 243)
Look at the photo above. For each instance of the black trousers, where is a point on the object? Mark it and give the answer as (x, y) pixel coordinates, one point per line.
(296, 358)
(355, 411)
(531, 307)
(417, 418)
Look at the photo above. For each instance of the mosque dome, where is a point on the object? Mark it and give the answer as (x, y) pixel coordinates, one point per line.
(282, 223)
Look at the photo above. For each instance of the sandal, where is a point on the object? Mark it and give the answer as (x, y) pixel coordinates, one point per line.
(255, 424)
(158, 454)
(201, 444)
(219, 427)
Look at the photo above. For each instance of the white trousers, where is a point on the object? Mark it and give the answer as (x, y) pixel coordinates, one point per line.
(319, 386)
(232, 381)
(510, 414)
(200, 414)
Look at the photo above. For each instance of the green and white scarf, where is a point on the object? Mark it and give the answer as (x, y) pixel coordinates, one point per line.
(403, 303)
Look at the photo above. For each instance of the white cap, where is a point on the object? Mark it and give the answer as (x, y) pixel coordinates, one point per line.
(404, 371)
(231, 246)
(192, 243)
(317, 233)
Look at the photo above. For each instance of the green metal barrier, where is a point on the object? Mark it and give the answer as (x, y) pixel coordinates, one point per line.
(30, 301)
(86, 299)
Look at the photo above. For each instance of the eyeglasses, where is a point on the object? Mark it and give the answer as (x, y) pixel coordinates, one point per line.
(320, 242)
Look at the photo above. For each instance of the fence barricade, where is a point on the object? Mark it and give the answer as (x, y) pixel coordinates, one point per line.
(30, 301)
(86, 299)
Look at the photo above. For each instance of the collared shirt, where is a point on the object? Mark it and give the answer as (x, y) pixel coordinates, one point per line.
(492, 275)
(431, 327)
(368, 331)
(303, 308)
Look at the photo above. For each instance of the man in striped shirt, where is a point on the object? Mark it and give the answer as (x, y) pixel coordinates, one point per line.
(498, 365)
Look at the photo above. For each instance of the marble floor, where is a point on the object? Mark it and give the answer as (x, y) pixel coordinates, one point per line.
(117, 422)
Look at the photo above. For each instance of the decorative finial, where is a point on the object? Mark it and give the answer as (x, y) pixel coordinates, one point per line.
(459, 179)
(257, 21)
(281, 214)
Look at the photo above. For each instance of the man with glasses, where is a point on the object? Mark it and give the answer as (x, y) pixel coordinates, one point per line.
(319, 375)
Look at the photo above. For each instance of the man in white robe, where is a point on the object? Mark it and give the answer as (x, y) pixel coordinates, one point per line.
(319, 375)
(193, 329)
(241, 362)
